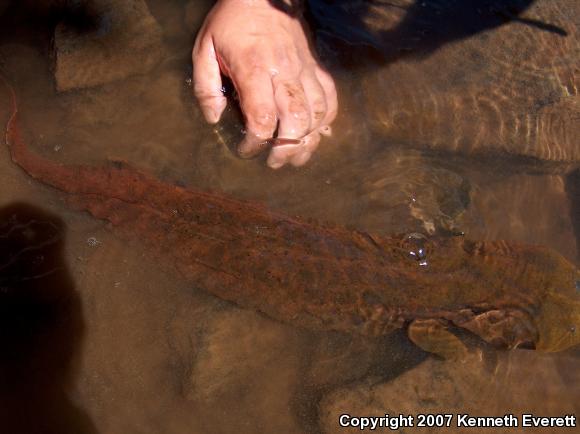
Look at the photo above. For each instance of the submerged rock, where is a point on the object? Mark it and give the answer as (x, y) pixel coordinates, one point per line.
(525, 208)
(116, 39)
(236, 348)
(403, 191)
(249, 365)
(511, 92)
(148, 114)
(472, 387)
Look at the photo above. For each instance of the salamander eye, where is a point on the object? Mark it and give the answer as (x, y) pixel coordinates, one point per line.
(573, 329)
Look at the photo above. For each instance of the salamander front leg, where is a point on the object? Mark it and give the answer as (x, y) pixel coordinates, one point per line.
(433, 336)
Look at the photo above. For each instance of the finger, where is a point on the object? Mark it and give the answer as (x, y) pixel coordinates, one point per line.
(310, 144)
(299, 155)
(257, 102)
(293, 108)
(325, 130)
(316, 98)
(280, 155)
(327, 84)
(294, 116)
(207, 83)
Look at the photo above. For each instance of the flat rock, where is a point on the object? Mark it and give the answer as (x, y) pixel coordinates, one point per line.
(237, 344)
(471, 387)
(250, 365)
(123, 39)
(509, 92)
(144, 120)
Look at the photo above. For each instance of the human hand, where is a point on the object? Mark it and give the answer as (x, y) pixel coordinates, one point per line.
(266, 54)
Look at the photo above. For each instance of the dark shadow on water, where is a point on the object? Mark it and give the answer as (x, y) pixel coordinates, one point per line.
(41, 326)
(33, 21)
(426, 26)
(573, 192)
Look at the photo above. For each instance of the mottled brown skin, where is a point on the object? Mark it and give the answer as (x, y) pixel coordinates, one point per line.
(328, 278)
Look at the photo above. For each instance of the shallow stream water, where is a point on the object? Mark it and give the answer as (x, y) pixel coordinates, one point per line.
(470, 129)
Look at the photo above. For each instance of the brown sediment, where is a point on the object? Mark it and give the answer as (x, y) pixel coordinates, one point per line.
(314, 276)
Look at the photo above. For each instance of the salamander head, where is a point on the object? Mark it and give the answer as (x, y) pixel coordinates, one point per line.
(558, 323)
(556, 282)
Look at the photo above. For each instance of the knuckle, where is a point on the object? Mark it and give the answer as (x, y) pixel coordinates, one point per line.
(297, 123)
(319, 109)
(289, 65)
(331, 94)
(261, 121)
(324, 76)
(331, 115)
(202, 91)
(299, 111)
(333, 100)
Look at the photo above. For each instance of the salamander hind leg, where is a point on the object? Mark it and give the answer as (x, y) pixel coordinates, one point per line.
(433, 336)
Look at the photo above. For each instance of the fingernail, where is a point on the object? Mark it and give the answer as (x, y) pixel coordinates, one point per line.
(275, 165)
(275, 161)
(210, 115)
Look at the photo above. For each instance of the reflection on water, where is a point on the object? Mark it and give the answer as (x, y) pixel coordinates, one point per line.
(161, 357)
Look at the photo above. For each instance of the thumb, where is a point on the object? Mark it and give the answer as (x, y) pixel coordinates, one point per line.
(207, 82)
